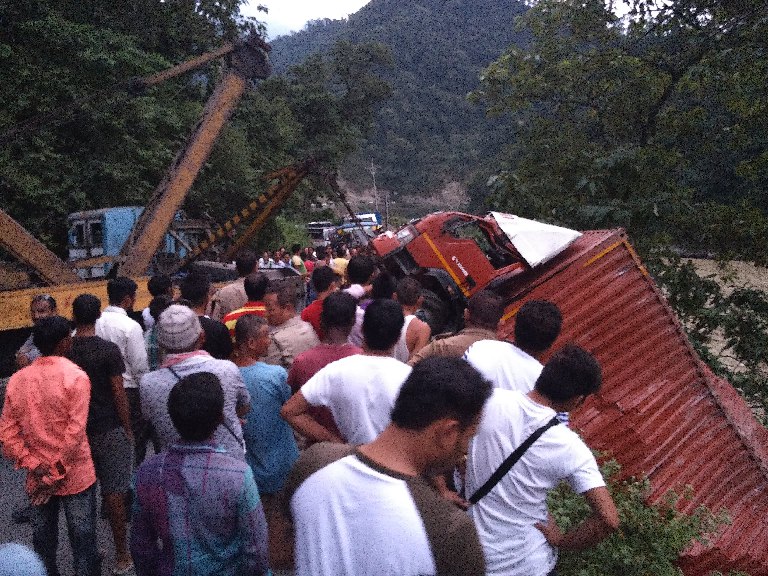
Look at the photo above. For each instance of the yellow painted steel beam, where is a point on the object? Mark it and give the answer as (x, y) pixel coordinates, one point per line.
(191, 64)
(15, 303)
(224, 230)
(283, 190)
(21, 244)
(248, 60)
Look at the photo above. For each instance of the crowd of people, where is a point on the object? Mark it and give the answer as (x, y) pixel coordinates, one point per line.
(237, 431)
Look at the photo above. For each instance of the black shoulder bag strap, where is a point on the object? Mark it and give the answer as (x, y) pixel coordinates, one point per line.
(510, 461)
(223, 423)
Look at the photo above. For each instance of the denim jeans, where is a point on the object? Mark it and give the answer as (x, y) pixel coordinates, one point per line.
(80, 514)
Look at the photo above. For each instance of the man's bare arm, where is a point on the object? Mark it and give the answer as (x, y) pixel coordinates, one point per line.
(417, 336)
(296, 413)
(597, 526)
(121, 403)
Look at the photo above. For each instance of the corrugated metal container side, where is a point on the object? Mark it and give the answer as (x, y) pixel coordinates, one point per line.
(661, 411)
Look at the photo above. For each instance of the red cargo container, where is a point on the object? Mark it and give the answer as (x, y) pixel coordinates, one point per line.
(661, 411)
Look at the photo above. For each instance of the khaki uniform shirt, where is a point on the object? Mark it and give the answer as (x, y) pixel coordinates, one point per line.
(229, 298)
(289, 340)
(453, 345)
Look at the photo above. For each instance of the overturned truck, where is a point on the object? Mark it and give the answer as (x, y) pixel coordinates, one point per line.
(661, 411)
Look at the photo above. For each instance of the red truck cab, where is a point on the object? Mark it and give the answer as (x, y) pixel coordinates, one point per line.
(454, 255)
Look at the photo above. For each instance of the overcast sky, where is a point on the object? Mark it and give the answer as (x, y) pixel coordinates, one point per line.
(286, 16)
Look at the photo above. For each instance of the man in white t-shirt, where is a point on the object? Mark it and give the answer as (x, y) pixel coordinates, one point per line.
(370, 510)
(359, 390)
(517, 366)
(518, 535)
(115, 325)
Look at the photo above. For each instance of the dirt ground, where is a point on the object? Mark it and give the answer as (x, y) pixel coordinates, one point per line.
(735, 274)
(742, 273)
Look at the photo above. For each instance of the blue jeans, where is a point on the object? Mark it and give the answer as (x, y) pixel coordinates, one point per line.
(80, 514)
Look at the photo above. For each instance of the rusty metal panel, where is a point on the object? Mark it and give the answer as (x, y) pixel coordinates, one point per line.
(661, 411)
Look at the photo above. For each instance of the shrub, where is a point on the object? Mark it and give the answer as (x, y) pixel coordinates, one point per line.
(650, 537)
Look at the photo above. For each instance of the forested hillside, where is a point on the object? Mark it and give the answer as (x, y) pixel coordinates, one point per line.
(656, 122)
(427, 133)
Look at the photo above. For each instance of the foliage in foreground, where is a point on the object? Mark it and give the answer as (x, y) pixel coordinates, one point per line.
(650, 538)
(655, 123)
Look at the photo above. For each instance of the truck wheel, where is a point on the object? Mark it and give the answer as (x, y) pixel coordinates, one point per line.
(436, 312)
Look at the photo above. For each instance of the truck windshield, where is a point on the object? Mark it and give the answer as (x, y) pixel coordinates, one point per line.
(497, 255)
(77, 235)
(97, 234)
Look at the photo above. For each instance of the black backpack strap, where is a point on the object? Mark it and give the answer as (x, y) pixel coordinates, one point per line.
(510, 461)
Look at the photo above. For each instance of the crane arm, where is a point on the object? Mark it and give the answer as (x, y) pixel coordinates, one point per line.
(249, 60)
(15, 239)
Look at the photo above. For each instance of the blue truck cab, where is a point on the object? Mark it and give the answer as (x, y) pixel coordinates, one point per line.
(102, 233)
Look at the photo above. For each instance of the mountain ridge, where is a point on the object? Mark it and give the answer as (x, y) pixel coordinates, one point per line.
(427, 134)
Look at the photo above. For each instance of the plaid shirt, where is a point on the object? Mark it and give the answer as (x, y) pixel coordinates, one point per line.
(197, 511)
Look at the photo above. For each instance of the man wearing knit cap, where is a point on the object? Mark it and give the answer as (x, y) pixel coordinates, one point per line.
(182, 338)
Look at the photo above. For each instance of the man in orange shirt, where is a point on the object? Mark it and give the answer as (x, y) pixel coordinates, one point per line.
(255, 285)
(42, 429)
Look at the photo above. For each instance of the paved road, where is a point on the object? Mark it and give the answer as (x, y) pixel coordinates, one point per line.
(12, 497)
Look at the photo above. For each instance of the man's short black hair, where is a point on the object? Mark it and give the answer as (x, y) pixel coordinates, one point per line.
(440, 387)
(160, 303)
(408, 291)
(120, 287)
(383, 286)
(256, 285)
(295, 248)
(287, 296)
(245, 262)
(323, 277)
(196, 406)
(248, 325)
(571, 372)
(382, 324)
(195, 287)
(537, 325)
(48, 332)
(338, 311)
(360, 269)
(160, 284)
(485, 309)
(86, 309)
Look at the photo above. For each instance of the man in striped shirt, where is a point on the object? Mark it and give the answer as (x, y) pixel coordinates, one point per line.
(256, 285)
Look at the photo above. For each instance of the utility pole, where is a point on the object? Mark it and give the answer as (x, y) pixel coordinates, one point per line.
(386, 210)
(372, 170)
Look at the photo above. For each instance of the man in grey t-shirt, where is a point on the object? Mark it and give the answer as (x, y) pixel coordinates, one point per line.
(181, 336)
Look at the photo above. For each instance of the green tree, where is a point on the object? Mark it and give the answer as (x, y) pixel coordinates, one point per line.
(652, 124)
(101, 147)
